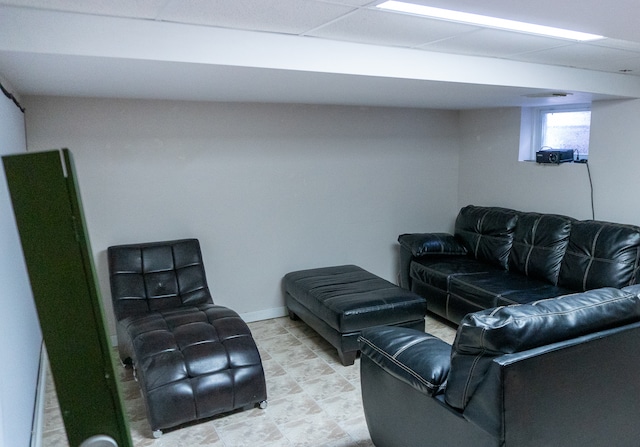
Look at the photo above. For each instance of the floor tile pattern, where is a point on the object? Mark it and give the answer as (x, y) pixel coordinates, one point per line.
(313, 399)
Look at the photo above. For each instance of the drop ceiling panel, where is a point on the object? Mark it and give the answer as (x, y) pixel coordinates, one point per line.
(33, 69)
(619, 44)
(578, 55)
(387, 28)
(144, 9)
(349, 2)
(494, 43)
(282, 16)
(613, 18)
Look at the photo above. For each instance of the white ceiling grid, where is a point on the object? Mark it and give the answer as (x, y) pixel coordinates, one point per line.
(358, 22)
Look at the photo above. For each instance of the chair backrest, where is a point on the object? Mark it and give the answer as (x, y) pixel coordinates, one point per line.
(156, 276)
(485, 335)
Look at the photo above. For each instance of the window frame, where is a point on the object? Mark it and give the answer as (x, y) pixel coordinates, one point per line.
(532, 118)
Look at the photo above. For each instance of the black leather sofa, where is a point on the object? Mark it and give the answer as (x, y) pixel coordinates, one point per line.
(500, 256)
(193, 359)
(557, 372)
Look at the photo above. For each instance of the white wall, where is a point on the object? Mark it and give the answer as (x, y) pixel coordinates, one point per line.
(490, 173)
(266, 188)
(614, 156)
(20, 330)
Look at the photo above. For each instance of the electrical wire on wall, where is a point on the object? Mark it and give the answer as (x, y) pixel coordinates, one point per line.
(11, 97)
(585, 161)
(593, 213)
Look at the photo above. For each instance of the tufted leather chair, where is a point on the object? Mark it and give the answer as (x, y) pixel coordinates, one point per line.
(192, 359)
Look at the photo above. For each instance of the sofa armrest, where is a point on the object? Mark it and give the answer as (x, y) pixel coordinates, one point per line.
(420, 244)
(418, 359)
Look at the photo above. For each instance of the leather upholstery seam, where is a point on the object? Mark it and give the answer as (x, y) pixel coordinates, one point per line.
(534, 229)
(405, 347)
(401, 365)
(591, 258)
(474, 364)
(599, 303)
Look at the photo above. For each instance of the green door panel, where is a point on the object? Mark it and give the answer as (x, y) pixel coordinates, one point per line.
(55, 242)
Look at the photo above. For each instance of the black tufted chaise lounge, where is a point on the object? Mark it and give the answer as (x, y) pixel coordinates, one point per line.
(193, 359)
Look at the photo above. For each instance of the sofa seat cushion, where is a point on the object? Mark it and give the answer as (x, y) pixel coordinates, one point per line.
(437, 271)
(600, 254)
(484, 335)
(492, 289)
(539, 244)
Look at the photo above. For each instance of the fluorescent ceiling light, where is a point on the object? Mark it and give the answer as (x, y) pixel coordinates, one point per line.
(491, 22)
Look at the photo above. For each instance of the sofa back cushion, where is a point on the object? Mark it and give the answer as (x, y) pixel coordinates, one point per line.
(600, 254)
(487, 232)
(539, 244)
(487, 334)
(155, 276)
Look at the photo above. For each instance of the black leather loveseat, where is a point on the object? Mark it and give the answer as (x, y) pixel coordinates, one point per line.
(558, 372)
(500, 256)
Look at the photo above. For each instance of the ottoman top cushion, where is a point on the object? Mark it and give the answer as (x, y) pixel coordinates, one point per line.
(349, 298)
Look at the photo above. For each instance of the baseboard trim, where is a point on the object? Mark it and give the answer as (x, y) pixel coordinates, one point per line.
(41, 393)
(266, 314)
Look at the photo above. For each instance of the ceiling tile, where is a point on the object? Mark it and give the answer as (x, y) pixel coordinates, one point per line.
(344, 20)
(619, 44)
(350, 2)
(279, 16)
(494, 43)
(577, 55)
(387, 28)
(146, 9)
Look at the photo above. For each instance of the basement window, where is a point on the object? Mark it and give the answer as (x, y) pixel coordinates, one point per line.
(555, 127)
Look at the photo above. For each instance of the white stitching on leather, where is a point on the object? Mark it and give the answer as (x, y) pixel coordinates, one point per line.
(626, 296)
(408, 345)
(534, 228)
(402, 366)
(474, 364)
(591, 258)
(480, 234)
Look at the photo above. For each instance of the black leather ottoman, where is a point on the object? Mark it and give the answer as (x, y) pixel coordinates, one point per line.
(338, 302)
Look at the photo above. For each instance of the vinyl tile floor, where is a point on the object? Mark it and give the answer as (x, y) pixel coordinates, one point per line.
(313, 400)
